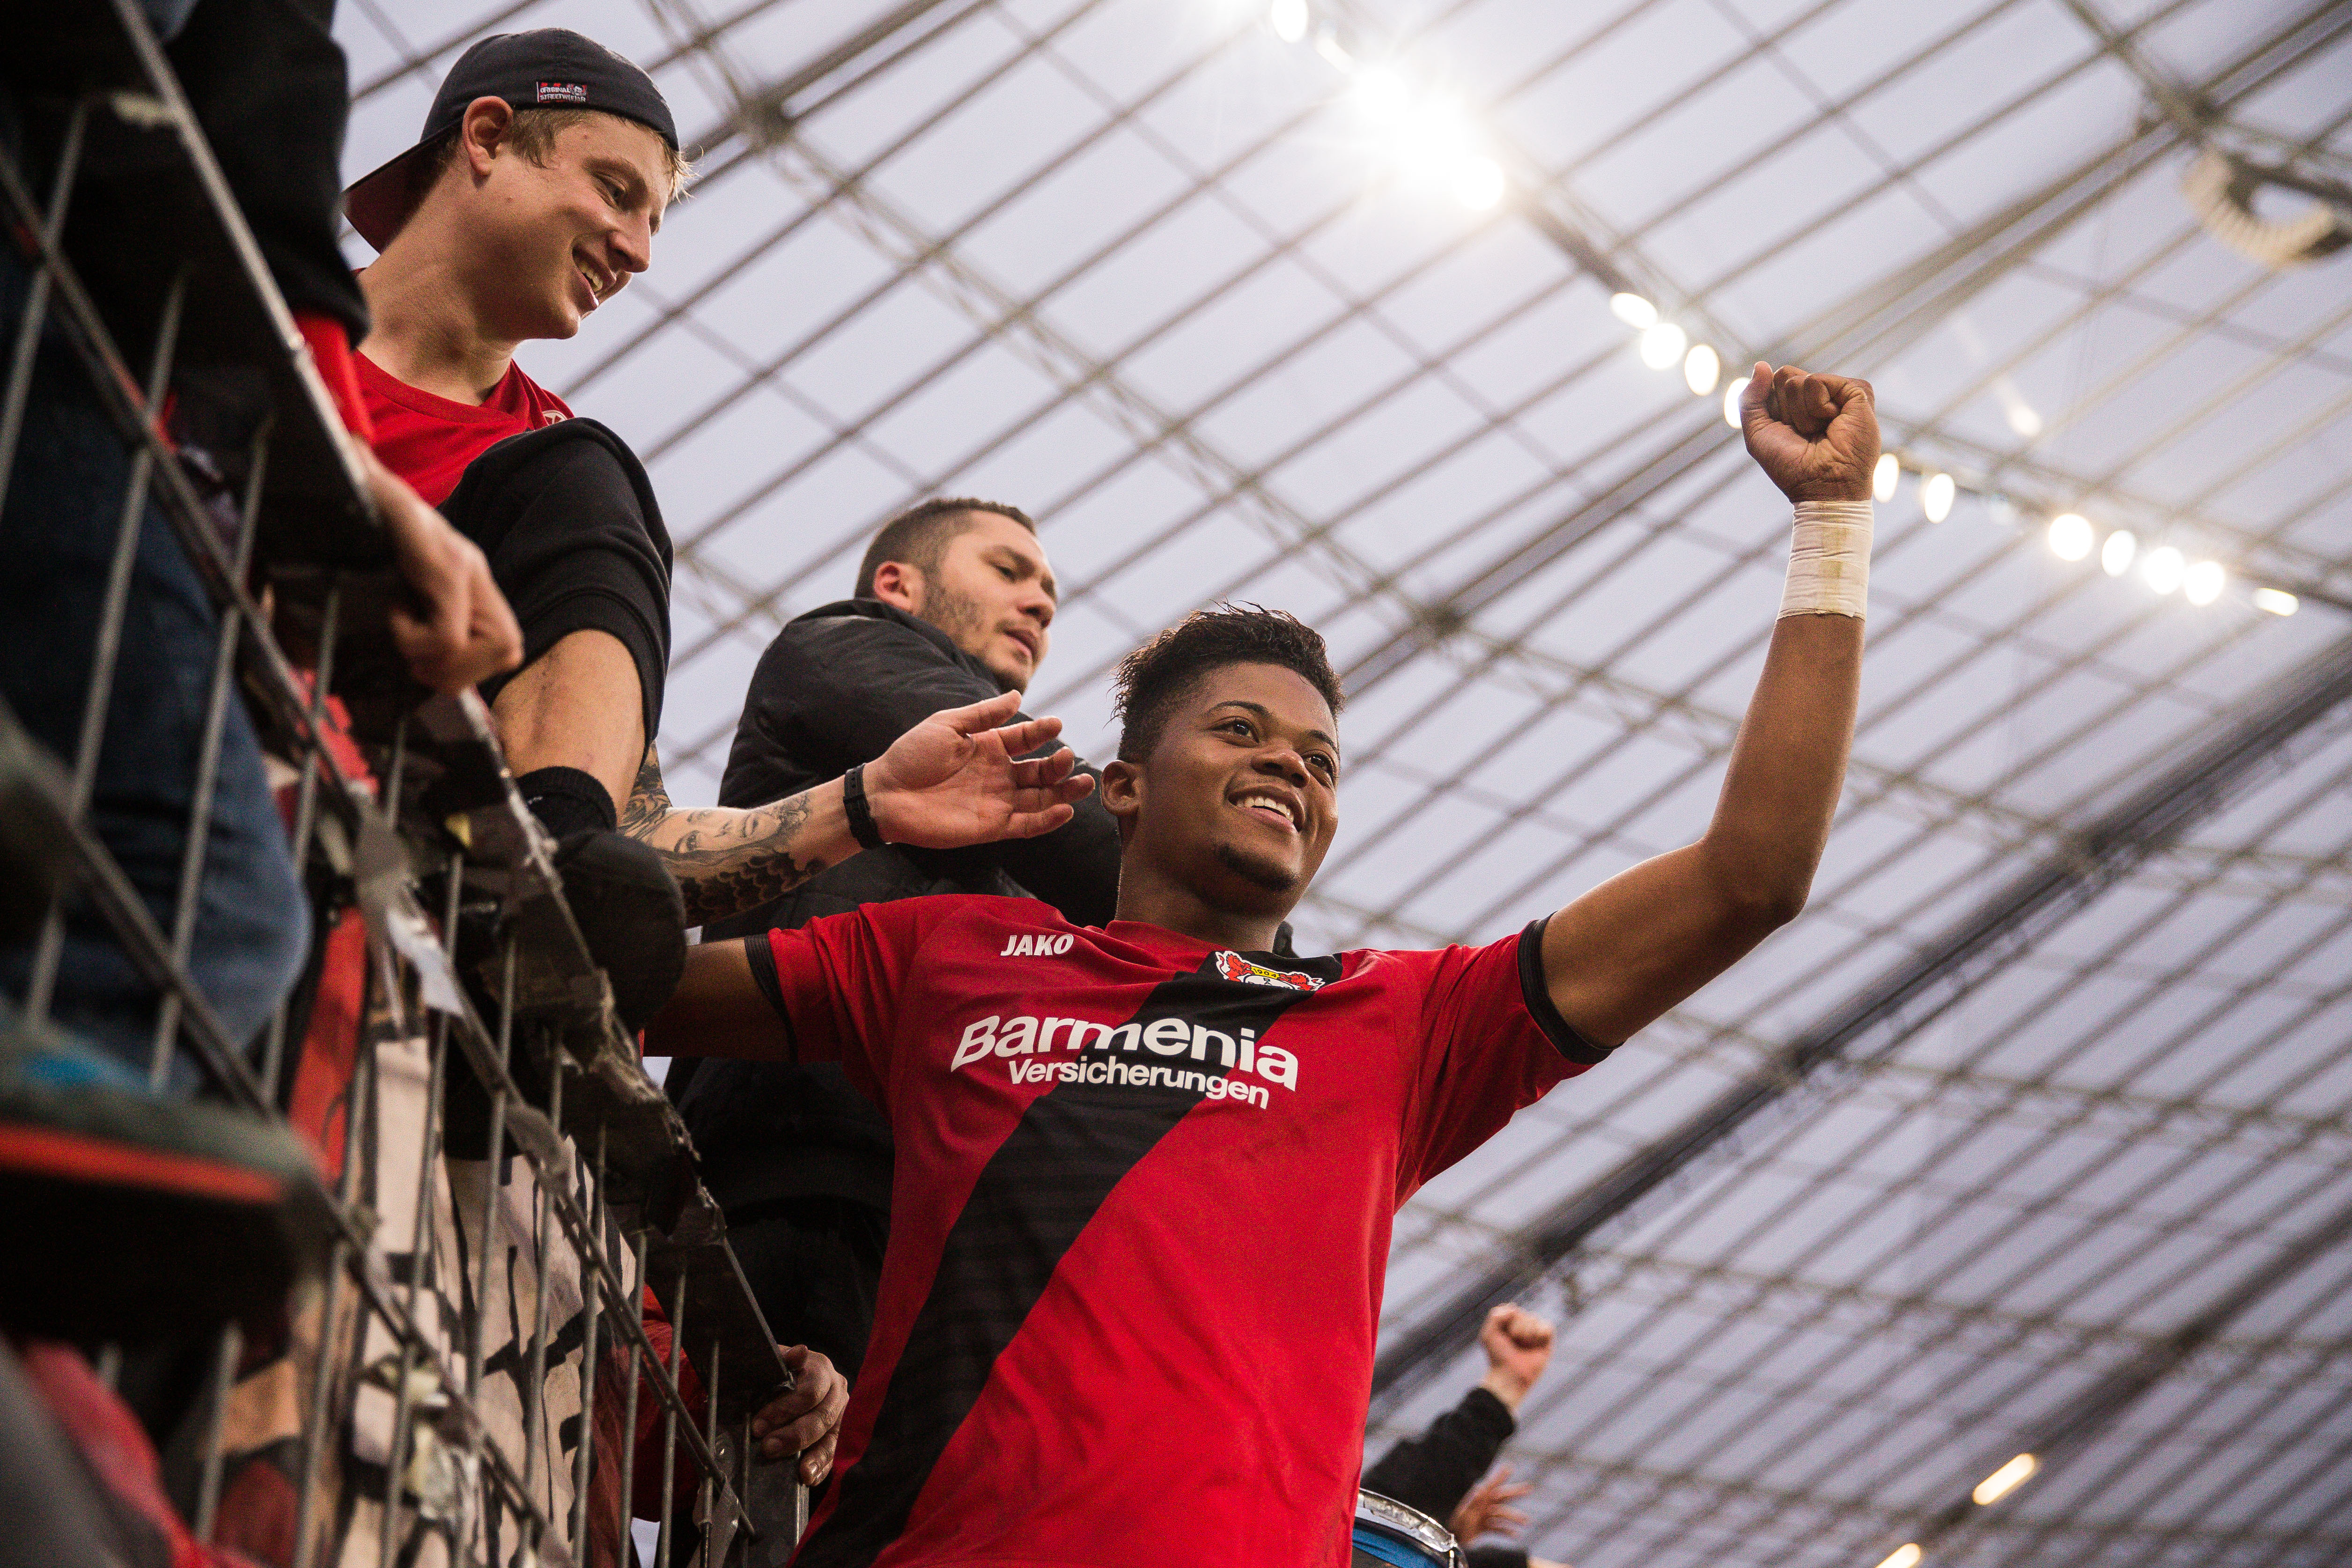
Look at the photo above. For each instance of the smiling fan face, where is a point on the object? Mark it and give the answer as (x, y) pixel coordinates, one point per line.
(554, 240)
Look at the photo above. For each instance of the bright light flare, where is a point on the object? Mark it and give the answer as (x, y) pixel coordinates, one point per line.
(1633, 310)
(1885, 476)
(1479, 183)
(2070, 536)
(2276, 601)
(2116, 555)
(2005, 1480)
(2203, 581)
(1288, 19)
(1663, 344)
(1936, 496)
(2164, 568)
(2023, 420)
(1907, 1555)
(1383, 95)
(1702, 368)
(1731, 403)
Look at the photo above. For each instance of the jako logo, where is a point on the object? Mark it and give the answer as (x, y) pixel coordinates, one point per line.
(1233, 967)
(1028, 1035)
(1039, 946)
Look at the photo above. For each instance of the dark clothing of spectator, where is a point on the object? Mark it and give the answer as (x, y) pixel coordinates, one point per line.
(801, 1160)
(575, 542)
(1434, 1471)
(249, 67)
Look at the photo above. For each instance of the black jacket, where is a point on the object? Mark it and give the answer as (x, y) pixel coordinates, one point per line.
(837, 687)
(1434, 1471)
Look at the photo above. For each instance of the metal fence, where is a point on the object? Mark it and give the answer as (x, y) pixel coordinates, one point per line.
(501, 1182)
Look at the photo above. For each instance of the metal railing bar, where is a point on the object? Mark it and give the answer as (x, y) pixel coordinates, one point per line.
(200, 808)
(583, 1459)
(37, 297)
(99, 701)
(481, 1303)
(669, 1422)
(534, 1426)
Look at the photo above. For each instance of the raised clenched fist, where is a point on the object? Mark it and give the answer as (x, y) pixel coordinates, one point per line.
(1519, 1347)
(1816, 436)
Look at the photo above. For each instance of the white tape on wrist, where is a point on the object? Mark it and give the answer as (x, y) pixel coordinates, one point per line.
(1829, 559)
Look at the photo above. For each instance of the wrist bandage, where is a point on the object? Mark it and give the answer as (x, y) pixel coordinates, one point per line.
(1829, 559)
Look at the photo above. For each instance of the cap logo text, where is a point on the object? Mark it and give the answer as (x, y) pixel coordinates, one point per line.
(562, 92)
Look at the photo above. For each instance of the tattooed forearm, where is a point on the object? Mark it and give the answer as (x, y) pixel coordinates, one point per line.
(727, 861)
(648, 801)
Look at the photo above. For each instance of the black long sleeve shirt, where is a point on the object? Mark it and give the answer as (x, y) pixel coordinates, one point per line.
(834, 689)
(1434, 1471)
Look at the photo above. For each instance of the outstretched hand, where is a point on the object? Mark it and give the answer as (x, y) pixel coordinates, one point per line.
(957, 777)
(1487, 1511)
(1816, 436)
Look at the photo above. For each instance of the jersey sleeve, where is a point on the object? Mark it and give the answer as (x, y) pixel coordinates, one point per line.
(836, 982)
(1492, 1042)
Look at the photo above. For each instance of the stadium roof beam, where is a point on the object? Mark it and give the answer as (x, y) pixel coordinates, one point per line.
(1867, 326)
(2070, 1429)
(1885, 1014)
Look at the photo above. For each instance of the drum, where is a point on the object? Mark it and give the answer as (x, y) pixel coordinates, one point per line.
(1387, 1532)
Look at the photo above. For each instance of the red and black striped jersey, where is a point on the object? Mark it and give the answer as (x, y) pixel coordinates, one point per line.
(1140, 1219)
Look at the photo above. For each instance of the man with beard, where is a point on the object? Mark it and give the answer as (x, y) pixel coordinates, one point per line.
(1146, 1170)
(954, 604)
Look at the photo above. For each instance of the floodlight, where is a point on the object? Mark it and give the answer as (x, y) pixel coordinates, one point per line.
(2116, 555)
(1383, 93)
(1731, 403)
(2164, 568)
(1633, 310)
(2070, 536)
(1661, 345)
(1701, 369)
(1885, 476)
(1479, 183)
(2275, 601)
(2006, 1479)
(2202, 584)
(1907, 1555)
(1288, 19)
(1936, 493)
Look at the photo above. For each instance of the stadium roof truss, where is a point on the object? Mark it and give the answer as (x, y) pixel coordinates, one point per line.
(2032, 1134)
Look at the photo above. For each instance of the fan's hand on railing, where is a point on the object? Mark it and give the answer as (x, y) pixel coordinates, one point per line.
(805, 1419)
(459, 630)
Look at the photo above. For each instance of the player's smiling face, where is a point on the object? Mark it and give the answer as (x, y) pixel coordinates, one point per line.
(1241, 794)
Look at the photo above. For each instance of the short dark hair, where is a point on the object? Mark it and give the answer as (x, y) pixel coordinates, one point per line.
(1156, 677)
(920, 535)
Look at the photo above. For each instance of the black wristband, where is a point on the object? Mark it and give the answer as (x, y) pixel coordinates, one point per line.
(861, 814)
(568, 801)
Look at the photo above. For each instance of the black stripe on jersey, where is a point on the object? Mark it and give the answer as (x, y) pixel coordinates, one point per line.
(1536, 991)
(1040, 1189)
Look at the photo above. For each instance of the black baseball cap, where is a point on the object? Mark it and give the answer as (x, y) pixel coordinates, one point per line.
(550, 67)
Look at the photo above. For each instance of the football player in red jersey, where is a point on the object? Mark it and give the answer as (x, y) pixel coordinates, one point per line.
(1128, 1154)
